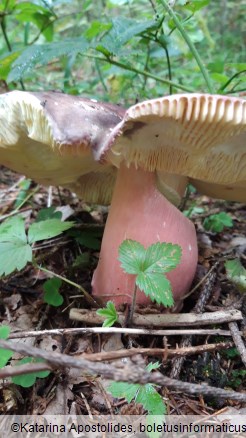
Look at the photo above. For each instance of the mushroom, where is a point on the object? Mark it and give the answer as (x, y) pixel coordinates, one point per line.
(156, 147)
(50, 137)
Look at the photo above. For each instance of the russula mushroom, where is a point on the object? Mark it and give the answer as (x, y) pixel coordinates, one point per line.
(156, 147)
(50, 137)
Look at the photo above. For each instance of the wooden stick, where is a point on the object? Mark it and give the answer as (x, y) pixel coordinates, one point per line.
(126, 331)
(124, 373)
(163, 319)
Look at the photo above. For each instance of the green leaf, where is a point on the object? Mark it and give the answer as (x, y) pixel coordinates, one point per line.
(97, 27)
(43, 53)
(151, 400)
(4, 331)
(47, 229)
(27, 380)
(156, 286)
(196, 5)
(13, 230)
(122, 30)
(48, 213)
(82, 261)
(153, 366)
(162, 257)
(131, 256)
(193, 211)
(6, 62)
(90, 238)
(109, 313)
(146, 395)
(52, 295)
(5, 354)
(153, 421)
(236, 273)
(217, 222)
(14, 255)
(124, 390)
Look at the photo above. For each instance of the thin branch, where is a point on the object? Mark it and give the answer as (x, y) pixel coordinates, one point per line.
(198, 309)
(162, 319)
(19, 370)
(238, 341)
(189, 44)
(126, 331)
(125, 373)
(141, 72)
(167, 353)
(87, 296)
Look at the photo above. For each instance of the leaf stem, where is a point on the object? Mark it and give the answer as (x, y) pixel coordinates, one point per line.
(71, 283)
(141, 72)
(133, 305)
(189, 44)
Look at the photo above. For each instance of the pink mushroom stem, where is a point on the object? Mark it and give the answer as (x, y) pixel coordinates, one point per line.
(140, 212)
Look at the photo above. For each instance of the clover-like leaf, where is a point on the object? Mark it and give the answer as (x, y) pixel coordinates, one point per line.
(52, 295)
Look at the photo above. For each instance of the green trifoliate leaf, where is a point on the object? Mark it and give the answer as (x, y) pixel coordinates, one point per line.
(156, 286)
(131, 256)
(217, 222)
(47, 229)
(109, 313)
(161, 257)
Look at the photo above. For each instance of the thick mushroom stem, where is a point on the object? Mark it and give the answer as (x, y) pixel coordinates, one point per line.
(139, 211)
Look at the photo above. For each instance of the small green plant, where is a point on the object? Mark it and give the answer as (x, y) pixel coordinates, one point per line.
(217, 222)
(27, 380)
(150, 266)
(24, 380)
(146, 395)
(193, 211)
(52, 295)
(16, 245)
(237, 378)
(236, 273)
(109, 313)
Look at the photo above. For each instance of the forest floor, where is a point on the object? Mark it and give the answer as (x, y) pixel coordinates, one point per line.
(210, 360)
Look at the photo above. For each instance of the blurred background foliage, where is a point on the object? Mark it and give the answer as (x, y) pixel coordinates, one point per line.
(123, 50)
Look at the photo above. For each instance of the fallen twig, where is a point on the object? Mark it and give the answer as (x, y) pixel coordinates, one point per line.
(118, 354)
(198, 309)
(162, 319)
(124, 330)
(11, 371)
(238, 341)
(126, 373)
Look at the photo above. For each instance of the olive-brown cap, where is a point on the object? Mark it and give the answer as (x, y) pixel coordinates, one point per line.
(199, 136)
(51, 138)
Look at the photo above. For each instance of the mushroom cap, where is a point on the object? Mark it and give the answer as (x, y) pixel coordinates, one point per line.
(200, 136)
(51, 138)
